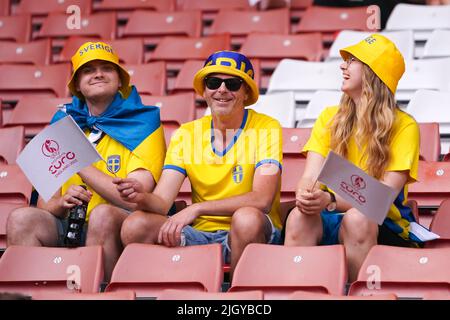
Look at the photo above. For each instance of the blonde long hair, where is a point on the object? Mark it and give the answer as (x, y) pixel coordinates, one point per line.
(370, 123)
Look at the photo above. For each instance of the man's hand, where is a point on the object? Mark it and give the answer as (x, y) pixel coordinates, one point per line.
(130, 189)
(75, 195)
(170, 232)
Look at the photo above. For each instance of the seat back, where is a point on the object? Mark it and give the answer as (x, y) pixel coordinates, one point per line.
(149, 78)
(15, 28)
(430, 141)
(12, 141)
(14, 186)
(173, 294)
(319, 101)
(437, 45)
(28, 270)
(148, 269)
(34, 113)
(441, 226)
(406, 272)
(175, 109)
(321, 76)
(21, 80)
(36, 52)
(432, 185)
(281, 270)
(52, 295)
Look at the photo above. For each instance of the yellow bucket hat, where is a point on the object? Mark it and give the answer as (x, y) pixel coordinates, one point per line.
(90, 51)
(382, 56)
(232, 63)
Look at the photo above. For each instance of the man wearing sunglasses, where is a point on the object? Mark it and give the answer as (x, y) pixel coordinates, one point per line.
(233, 161)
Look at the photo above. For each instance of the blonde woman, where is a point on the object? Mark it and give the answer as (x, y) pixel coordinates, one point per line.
(368, 129)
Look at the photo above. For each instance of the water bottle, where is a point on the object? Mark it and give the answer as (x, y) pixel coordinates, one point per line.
(76, 219)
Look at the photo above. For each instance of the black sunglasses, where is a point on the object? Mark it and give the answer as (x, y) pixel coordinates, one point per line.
(232, 84)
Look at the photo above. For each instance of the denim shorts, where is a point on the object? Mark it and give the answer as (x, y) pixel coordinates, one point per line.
(331, 223)
(191, 236)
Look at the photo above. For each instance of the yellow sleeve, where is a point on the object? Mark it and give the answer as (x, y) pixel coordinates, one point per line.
(149, 154)
(405, 149)
(270, 144)
(175, 155)
(320, 138)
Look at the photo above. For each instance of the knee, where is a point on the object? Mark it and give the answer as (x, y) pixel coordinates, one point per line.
(133, 228)
(358, 228)
(20, 219)
(247, 221)
(102, 221)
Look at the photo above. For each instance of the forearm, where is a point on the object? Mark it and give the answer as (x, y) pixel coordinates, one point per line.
(226, 207)
(53, 206)
(102, 184)
(154, 204)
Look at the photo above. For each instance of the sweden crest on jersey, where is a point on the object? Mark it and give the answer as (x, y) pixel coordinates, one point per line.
(238, 174)
(113, 163)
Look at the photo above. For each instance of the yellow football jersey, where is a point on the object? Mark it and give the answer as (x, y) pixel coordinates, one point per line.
(121, 161)
(404, 156)
(216, 175)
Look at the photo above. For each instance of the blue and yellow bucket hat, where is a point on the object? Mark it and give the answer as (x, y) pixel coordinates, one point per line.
(231, 63)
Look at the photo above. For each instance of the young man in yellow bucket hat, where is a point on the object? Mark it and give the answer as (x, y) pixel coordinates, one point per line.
(368, 129)
(127, 134)
(233, 161)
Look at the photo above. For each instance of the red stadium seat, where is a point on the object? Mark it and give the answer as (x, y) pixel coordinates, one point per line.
(5, 6)
(15, 28)
(44, 7)
(148, 78)
(240, 23)
(433, 185)
(271, 48)
(149, 269)
(175, 109)
(211, 7)
(173, 294)
(304, 295)
(100, 25)
(20, 80)
(177, 50)
(130, 51)
(12, 141)
(28, 270)
(14, 186)
(280, 270)
(131, 5)
(52, 295)
(294, 140)
(34, 113)
(406, 272)
(441, 226)
(153, 26)
(36, 52)
(430, 141)
(329, 20)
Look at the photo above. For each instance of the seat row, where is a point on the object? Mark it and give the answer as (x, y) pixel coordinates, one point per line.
(273, 271)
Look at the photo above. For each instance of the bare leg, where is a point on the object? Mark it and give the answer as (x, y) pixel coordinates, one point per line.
(31, 226)
(248, 225)
(141, 227)
(104, 226)
(358, 234)
(303, 229)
